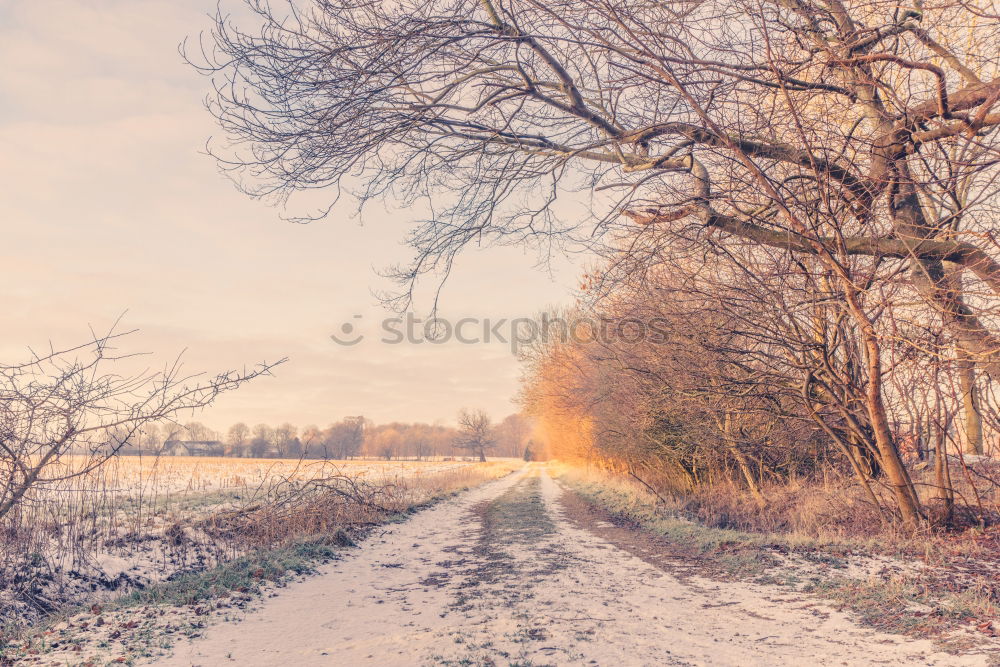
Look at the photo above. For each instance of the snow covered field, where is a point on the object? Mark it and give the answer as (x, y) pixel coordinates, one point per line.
(138, 520)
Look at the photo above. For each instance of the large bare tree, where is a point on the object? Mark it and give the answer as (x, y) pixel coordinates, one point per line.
(475, 433)
(856, 140)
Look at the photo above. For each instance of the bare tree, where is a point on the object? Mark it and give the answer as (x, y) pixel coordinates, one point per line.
(237, 438)
(475, 433)
(312, 438)
(152, 438)
(259, 447)
(854, 143)
(284, 436)
(740, 132)
(344, 439)
(78, 400)
(198, 431)
(264, 440)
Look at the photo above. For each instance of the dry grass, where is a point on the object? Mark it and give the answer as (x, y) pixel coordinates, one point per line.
(828, 507)
(336, 499)
(137, 521)
(797, 514)
(935, 584)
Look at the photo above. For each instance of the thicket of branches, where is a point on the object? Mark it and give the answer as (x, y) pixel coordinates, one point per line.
(692, 386)
(824, 170)
(83, 401)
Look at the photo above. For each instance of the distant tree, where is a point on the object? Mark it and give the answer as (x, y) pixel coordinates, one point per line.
(442, 439)
(327, 446)
(347, 437)
(259, 447)
(421, 448)
(283, 436)
(237, 437)
(173, 431)
(312, 440)
(420, 440)
(511, 435)
(385, 443)
(152, 438)
(529, 451)
(198, 431)
(265, 433)
(475, 432)
(293, 448)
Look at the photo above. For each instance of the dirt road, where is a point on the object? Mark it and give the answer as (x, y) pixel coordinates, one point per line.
(501, 576)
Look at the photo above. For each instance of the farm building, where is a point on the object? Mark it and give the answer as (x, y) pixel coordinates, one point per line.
(193, 448)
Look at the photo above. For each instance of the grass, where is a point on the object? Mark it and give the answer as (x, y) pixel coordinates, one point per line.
(930, 601)
(517, 516)
(631, 503)
(516, 519)
(243, 574)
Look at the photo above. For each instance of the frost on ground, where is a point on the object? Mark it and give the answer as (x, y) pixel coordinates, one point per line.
(501, 575)
(137, 521)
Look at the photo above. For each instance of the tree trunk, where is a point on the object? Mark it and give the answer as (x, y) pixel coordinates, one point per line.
(727, 428)
(899, 479)
(970, 405)
(942, 479)
(973, 424)
(903, 491)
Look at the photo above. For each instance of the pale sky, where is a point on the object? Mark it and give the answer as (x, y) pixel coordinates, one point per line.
(108, 205)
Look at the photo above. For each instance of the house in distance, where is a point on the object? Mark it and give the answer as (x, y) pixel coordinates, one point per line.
(193, 448)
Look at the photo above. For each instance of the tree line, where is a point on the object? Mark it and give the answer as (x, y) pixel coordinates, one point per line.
(348, 438)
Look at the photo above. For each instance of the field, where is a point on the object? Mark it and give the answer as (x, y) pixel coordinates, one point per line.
(176, 476)
(140, 520)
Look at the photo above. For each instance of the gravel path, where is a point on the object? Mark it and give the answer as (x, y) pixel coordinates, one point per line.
(500, 576)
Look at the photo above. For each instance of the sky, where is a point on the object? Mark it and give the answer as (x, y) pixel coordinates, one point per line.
(109, 206)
